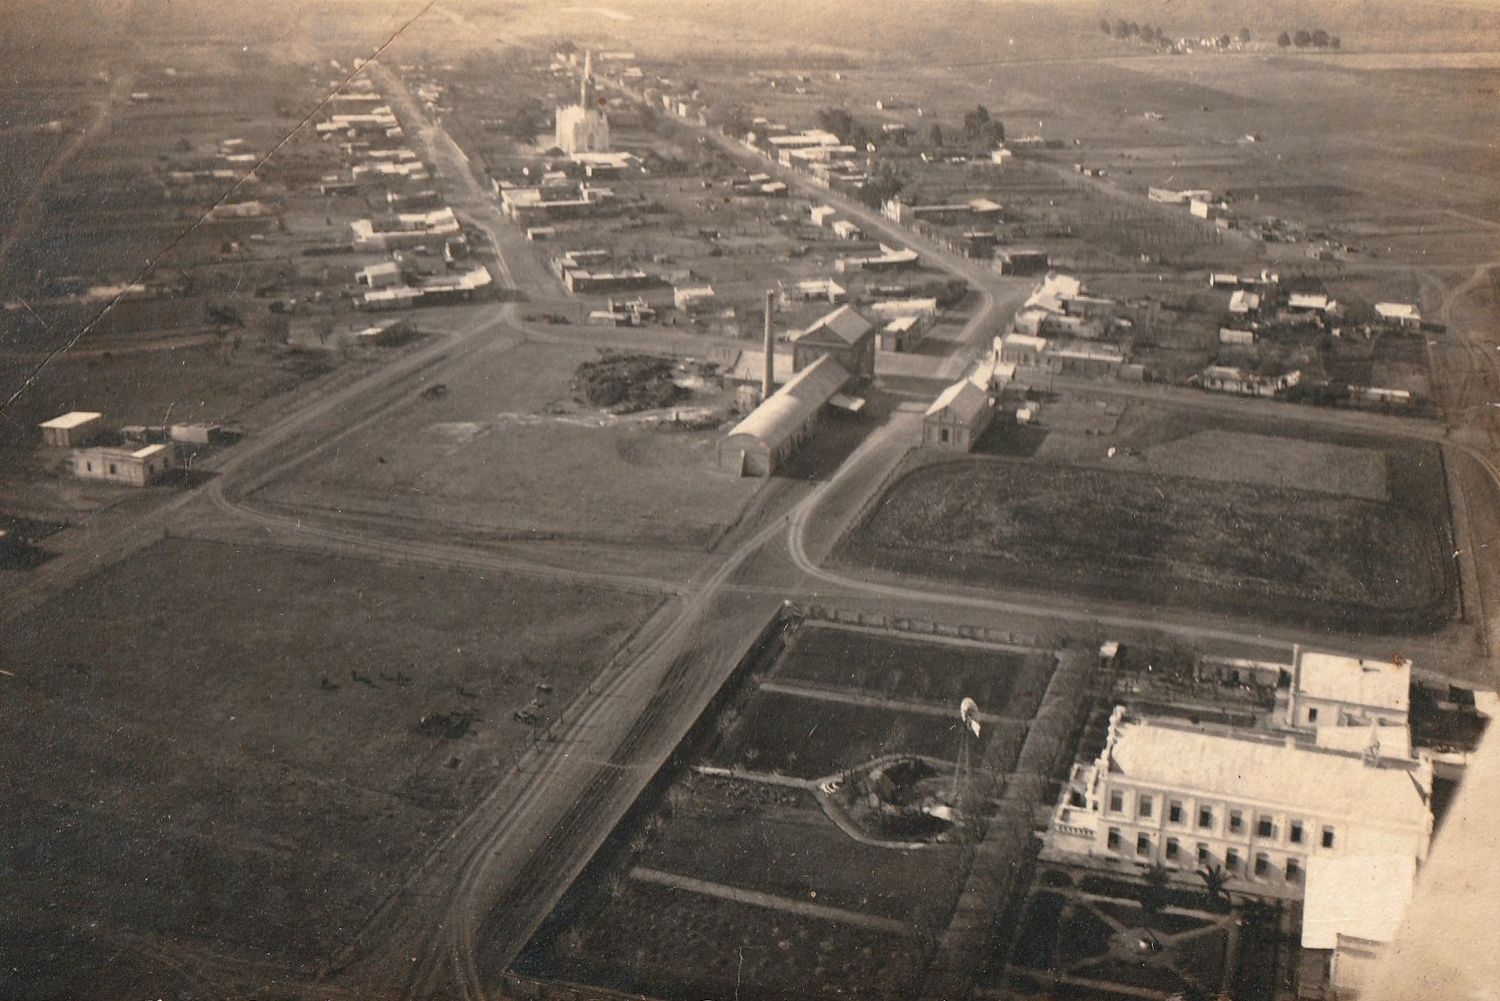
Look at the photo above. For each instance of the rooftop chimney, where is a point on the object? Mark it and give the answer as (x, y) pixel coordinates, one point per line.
(768, 379)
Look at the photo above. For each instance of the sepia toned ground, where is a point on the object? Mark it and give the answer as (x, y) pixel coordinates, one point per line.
(244, 767)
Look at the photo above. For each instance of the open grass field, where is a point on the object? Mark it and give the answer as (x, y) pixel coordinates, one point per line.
(509, 449)
(1281, 552)
(1004, 682)
(226, 747)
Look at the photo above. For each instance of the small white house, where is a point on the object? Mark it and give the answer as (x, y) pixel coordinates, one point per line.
(138, 467)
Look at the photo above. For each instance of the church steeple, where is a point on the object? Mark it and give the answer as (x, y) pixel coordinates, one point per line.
(586, 88)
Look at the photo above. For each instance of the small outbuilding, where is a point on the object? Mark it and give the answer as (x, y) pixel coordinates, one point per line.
(72, 429)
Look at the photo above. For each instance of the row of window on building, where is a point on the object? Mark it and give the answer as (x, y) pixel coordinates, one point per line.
(1263, 866)
(1265, 825)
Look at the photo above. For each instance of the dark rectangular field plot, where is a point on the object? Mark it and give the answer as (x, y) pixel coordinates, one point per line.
(727, 831)
(809, 738)
(676, 945)
(1004, 682)
(1280, 553)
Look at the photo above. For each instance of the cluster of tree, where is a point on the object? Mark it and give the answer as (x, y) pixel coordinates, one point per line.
(735, 120)
(881, 186)
(1318, 39)
(1151, 35)
(1154, 35)
(527, 120)
(844, 125)
(980, 128)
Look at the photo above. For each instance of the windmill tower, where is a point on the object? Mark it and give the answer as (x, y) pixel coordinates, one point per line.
(968, 737)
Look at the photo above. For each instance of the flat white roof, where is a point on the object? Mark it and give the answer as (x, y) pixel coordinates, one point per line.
(1358, 896)
(1381, 684)
(1398, 311)
(72, 419)
(149, 451)
(1391, 797)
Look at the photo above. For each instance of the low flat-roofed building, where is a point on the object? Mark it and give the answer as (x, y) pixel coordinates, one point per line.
(382, 275)
(809, 289)
(1261, 806)
(1230, 337)
(138, 467)
(1021, 261)
(693, 298)
(844, 229)
(846, 334)
(957, 418)
(1241, 302)
(1309, 302)
(889, 308)
(1402, 314)
(771, 433)
(1353, 908)
(72, 429)
(1334, 690)
(1022, 349)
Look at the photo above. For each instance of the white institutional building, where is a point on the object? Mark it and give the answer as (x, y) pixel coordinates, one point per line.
(1261, 805)
(584, 127)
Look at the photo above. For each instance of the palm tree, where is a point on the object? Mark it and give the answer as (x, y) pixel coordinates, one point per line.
(1214, 883)
(1155, 896)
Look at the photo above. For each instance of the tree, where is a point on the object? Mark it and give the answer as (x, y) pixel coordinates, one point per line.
(979, 127)
(935, 136)
(1283, 39)
(1302, 39)
(1122, 28)
(1334, 42)
(836, 120)
(1320, 38)
(1214, 883)
(976, 120)
(1244, 36)
(1154, 898)
(1104, 27)
(1224, 41)
(737, 121)
(882, 186)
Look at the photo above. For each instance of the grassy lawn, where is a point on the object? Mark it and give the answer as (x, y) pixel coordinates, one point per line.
(227, 746)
